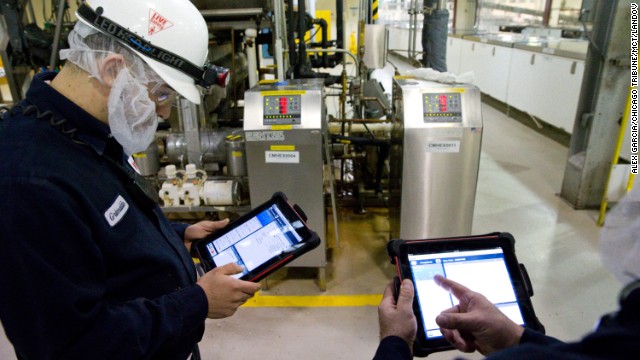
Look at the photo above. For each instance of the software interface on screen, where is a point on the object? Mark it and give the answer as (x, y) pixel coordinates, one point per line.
(264, 236)
(483, 271)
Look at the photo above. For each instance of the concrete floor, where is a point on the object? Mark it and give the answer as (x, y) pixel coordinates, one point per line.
(520, 176)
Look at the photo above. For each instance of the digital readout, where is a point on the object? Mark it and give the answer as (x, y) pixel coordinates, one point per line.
(444, 107)
(280, 110)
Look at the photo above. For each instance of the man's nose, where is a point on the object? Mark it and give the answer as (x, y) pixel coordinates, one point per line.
(163, 111)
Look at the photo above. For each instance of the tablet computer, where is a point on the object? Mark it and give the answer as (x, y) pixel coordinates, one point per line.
(486, 264)
(261, 241)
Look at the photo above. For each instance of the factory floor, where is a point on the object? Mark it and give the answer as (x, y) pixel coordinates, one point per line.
(520, 175)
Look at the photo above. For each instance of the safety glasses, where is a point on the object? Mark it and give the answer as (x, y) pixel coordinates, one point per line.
(162, 94)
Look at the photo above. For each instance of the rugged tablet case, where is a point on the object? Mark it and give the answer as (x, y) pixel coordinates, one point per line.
(394, 249)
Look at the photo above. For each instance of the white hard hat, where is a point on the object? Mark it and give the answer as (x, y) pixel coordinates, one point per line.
(169, 35)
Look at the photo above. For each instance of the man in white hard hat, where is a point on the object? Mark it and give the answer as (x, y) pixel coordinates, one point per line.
(89, 266)
(475, 324)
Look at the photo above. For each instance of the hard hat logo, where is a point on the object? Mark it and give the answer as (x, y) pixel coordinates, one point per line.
(157, 22)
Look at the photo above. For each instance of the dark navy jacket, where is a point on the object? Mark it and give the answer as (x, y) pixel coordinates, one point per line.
(85, 272)
(616, 338)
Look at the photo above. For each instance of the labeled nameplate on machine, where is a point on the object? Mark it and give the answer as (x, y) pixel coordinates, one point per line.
(442, 107)
(282, 110)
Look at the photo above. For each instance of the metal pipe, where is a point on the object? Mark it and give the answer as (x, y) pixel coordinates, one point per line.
(302, 55)
(411, 33)
(248, 12)
(339, 27)
(546, 14)
(324, 44)
(343, 97)
(280, 31)
(366, 121)
(56, 36)
(32, 13)
(233, 68)
(292, 41)
(614, 161)
(342, 51)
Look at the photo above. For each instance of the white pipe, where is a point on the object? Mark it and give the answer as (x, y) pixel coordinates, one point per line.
(252, 63)
(336, 127)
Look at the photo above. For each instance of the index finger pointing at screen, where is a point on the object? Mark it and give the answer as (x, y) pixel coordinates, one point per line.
(458, 290)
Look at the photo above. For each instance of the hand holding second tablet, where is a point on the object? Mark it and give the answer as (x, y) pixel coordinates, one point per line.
(397, 318)
(225, 293)
(475, 323)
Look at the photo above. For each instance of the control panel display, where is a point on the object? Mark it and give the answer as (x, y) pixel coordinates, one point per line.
(282, 110)
(442, 108)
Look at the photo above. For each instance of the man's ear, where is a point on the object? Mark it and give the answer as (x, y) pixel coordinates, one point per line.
(110, 67)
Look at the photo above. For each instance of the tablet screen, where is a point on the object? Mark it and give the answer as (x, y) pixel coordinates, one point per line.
(264, 236)
(483, 271)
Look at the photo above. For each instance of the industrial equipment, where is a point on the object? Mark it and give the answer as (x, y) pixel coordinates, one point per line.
(283, 127)
(435, 155)
(244, 141)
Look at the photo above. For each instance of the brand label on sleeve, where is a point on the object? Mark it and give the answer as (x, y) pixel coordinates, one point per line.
(116, 211)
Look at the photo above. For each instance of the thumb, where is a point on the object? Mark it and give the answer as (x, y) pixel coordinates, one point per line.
(221, 223)
(405, 298)
(230, 269)
(455, 321)
(215, 225)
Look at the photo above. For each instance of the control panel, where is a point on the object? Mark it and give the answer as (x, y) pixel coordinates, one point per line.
(282, 110)
(441, 107)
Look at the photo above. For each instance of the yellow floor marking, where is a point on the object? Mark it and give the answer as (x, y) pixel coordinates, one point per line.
(313, 300)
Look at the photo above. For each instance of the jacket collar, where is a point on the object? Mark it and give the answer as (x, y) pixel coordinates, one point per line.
(90, 130)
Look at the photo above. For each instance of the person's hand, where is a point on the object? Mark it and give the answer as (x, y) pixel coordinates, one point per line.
(225, 293)
(475, 323)
(202, 229)
(398, 319)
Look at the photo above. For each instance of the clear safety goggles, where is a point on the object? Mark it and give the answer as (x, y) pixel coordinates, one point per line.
(162, 94)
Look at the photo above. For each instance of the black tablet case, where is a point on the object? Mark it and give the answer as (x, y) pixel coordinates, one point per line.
(394, 249)
(311, 244)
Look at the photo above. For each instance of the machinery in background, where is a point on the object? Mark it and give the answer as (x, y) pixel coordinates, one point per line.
(265, 127)
(197, 133)
(25, 47)
(435, 155)
(284, 125)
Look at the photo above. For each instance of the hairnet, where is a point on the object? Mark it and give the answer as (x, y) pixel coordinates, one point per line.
(88, 48)
(132, 114)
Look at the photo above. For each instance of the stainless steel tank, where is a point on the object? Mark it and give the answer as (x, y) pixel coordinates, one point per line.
(435, 157)
(283, 124)
(236, 155)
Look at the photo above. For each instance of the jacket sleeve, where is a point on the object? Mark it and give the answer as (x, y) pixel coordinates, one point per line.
(533, 337)
(53, 281)
(393, 348)
(179, 228)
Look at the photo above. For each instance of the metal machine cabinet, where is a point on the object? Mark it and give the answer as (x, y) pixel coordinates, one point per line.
(435, 155)
(283, 125)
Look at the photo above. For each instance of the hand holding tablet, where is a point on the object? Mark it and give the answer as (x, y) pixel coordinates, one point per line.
(475, 323)
(261, 241)
(485, 264)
